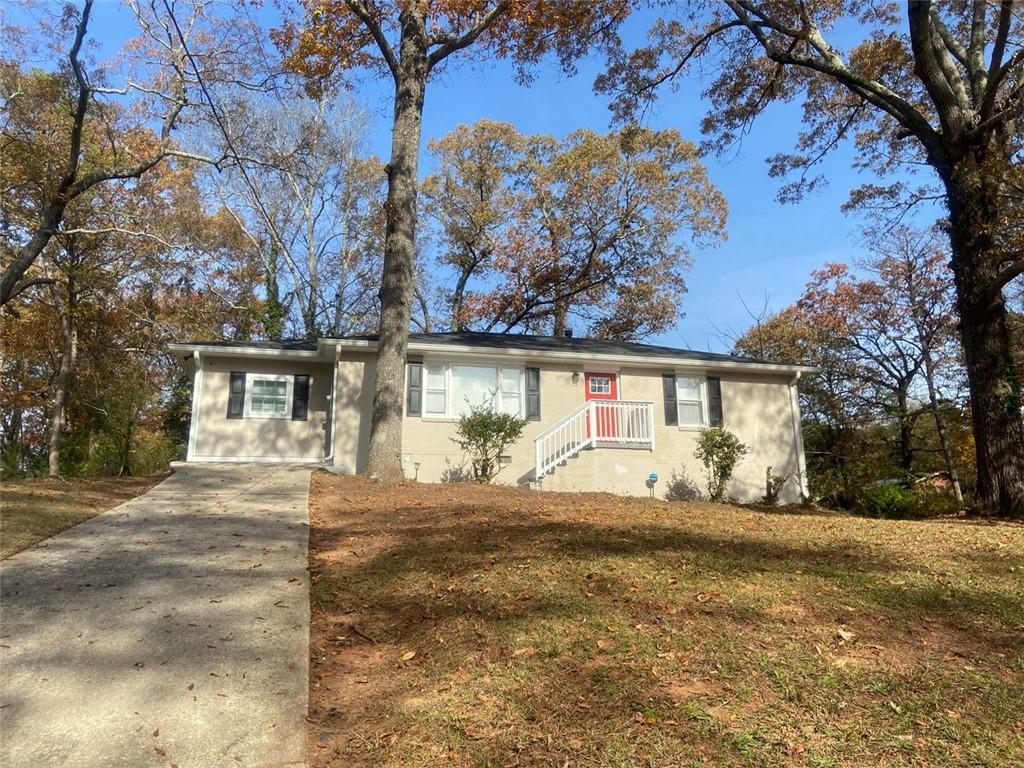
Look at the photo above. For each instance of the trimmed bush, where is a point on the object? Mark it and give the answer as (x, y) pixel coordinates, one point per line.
(484, 434)
(720, 451)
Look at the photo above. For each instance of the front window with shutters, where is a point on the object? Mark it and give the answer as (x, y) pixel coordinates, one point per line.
(268, 396)
(691, 401)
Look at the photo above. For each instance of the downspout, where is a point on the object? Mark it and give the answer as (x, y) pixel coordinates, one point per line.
(798, 436)
(332, 417)
(193, 424)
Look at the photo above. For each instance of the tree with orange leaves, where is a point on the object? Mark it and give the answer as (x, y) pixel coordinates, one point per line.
(935, 90)
(583, 229)
(410, 41)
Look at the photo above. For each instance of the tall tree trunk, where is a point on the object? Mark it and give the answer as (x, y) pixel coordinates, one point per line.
(974, 210)
(273, 315)
(906, 441)
(69, 354)
(940, 421)
(458, 298)
(343, 269)
(384, 457)
(124, 467)
(11, 442)
(561, 317)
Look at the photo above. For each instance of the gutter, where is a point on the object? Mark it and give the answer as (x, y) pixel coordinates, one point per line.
(329, 457)
(798, 436)
(193, 424)
(218, 351)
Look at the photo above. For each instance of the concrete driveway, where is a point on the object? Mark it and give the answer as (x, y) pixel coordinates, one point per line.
(172, 630)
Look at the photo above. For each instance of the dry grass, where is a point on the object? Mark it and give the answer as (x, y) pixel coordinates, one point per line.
(488, 626)
(33, 510)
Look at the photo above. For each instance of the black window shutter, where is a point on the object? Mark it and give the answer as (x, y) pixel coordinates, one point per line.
(300, 398)
(533, 394)
(414, 400)
(715, 401)
(668, 387)
(236, 395)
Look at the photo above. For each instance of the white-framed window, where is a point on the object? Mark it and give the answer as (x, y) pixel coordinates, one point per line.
(473, 386)
(600, 385)
(436, 387)
(451, 390)
(691, 400)
(511, 396)
(268, 396)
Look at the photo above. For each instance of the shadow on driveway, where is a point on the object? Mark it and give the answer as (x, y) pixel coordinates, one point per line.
(170, 630)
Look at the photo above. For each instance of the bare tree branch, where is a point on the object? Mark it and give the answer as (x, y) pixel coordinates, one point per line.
(363, 14)
(454, 44)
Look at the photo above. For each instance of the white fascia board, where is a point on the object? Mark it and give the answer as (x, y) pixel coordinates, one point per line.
(214, 350)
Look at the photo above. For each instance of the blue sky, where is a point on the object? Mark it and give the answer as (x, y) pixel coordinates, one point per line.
(771, 248)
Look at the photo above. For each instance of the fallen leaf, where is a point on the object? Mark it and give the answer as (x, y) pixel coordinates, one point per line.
(408, 655)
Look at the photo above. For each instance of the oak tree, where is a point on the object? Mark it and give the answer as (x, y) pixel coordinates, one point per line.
(471, 200)
(409, 41)
(589, 227)
(939, 86)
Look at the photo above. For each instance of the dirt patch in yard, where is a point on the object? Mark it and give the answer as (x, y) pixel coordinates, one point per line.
(34, 510)
(473, 625)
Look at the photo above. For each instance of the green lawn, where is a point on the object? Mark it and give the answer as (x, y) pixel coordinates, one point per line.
(33, 510)
(479, 626)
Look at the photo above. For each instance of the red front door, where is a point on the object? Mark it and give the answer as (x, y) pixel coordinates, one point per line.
(603, 386)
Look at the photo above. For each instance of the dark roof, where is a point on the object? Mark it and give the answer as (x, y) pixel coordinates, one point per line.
(515, 341)
(565, 344)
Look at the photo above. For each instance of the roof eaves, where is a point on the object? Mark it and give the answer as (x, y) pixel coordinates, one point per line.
(677, 360)
(327, 348)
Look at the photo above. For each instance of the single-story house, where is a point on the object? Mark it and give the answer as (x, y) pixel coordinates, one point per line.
(601, 415)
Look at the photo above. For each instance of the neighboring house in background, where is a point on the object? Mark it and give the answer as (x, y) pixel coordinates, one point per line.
(601, 415)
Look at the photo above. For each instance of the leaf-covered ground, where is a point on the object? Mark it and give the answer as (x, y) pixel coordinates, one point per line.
(492, 626)
(36, 509)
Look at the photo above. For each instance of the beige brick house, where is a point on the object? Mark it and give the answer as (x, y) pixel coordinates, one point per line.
(601, 415)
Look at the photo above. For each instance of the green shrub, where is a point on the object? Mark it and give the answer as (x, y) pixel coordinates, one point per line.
(889, 502)
(484, 434)
(720, 451)
(103, 453)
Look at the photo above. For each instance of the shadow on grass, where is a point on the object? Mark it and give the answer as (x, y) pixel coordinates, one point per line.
(849, 572)
(599, 632)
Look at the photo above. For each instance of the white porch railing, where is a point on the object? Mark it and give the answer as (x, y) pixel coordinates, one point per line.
(596, 423)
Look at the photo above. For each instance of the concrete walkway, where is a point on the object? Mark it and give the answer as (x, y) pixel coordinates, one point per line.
(172, 630)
